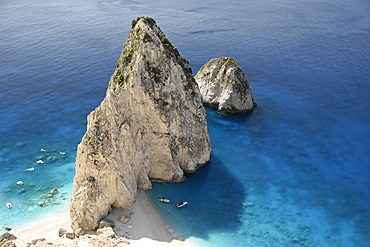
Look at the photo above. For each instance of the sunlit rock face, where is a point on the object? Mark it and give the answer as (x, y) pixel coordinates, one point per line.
(151, 125)
(224, 86)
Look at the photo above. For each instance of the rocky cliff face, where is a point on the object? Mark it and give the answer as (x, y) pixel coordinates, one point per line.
(151, 125)
(224, 86)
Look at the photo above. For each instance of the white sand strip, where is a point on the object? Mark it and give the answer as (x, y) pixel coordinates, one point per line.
(146, 227)
(47, 228)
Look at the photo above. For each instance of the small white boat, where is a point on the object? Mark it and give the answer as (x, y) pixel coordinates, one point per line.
(62, 153)
(40, 162)
(9, 205)
(42, 150)
(30, 169)
(181, 204)
(164, 199)
(20, 183)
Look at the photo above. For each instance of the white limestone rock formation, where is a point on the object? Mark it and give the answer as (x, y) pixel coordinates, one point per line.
(224, 86)
(151, 125)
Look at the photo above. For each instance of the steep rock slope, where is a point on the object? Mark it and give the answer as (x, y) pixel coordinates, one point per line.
(224, 86)
(151, 125)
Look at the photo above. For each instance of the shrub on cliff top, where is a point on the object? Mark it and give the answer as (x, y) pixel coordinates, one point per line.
(148, 20)
(165, 40)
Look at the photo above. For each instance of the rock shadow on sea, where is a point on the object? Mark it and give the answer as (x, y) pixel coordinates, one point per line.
(215, 199)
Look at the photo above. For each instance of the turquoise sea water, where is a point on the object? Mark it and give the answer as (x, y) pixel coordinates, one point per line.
(295, 172)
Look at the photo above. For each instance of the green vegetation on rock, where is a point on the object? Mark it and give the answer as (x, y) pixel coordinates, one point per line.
(126, 59)
(121, 79)
(173, 51)
(181, 60)
(165, 40)
(148, 20)
(138, 29)
(230, 62)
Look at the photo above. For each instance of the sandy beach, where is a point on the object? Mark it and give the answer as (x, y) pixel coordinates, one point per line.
(145, 228)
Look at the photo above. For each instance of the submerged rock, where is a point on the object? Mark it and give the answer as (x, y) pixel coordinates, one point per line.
(53, 191)
(151, 125)
(21, 191)
(46, 195)
(20, 144)
(224, 86)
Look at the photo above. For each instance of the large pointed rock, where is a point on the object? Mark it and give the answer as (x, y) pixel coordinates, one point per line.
(224, 86)
(151, 125)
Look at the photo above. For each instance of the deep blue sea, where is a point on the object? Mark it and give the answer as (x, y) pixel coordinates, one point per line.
(295, 172)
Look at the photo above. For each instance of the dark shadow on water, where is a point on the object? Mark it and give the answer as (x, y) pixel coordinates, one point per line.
(215, 201)
(237, 118)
